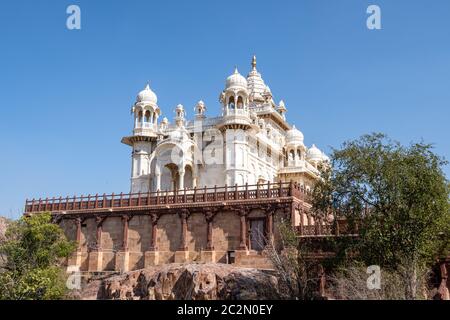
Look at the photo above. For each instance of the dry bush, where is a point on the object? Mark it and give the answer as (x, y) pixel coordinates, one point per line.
(350, 283)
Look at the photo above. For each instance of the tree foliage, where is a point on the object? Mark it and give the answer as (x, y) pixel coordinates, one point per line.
(33, 249)
(398, 196)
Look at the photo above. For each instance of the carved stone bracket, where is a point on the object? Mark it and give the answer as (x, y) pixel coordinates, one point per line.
(56, 218)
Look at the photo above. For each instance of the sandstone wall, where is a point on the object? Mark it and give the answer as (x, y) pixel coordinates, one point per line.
(226, 233)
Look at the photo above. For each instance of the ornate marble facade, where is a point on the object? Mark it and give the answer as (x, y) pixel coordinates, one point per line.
(250, 141)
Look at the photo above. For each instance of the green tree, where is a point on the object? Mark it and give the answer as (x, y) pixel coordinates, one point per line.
(400, 198)
(34, 250)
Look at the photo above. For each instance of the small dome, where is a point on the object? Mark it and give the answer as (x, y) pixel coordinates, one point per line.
(236, 80)
(179, 108)
(147, 95)
(165, 120)
(314, 154)
(200, 108)
(294, 136)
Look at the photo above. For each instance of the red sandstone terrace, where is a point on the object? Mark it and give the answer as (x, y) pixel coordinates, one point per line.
(220, 224)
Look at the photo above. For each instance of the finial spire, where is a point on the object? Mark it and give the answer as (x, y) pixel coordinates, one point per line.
(236, 69)
(254, 62)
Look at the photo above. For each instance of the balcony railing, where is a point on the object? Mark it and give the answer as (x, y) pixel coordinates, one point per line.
(237, 112)
(340, 227)
(185, 196)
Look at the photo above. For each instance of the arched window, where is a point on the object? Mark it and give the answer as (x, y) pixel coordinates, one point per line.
(240, 102)
(140, 116)
(291, 155)
(147, 116)
(231, 103)
(299, 154)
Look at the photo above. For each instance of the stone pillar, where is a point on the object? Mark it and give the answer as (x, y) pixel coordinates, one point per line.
(125, 221)
(209, 255)
(182, 255)
(96, 254)
(184, 217)
(151, 257)
(209, 244)
(181, 180)
(243, 242)
(98, 239)
(78, 223)
(154, 219)
(158, 181)
(123, 256)
(76, 257)
(269, 230)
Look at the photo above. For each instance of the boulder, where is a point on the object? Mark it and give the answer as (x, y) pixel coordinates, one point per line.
(186, 282)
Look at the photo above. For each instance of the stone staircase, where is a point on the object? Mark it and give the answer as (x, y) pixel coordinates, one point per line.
(255, 259)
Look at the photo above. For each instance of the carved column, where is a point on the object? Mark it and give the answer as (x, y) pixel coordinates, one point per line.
(152, 256)
(209, 219)
(76, 257)
(182, 255)
(158, 181)
(243, 242)
(125, 221)
(181, 177)
(269, 224)
(78, 236)
(154, 219)
(184, 216)
(96, 254)
(99, 221)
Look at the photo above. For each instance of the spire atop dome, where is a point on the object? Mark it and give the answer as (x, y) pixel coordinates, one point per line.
(258, 90)
(254, 62)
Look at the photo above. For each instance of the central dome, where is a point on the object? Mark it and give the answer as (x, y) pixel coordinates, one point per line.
(236, 80)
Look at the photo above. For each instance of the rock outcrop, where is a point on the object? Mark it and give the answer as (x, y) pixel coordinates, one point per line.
(186, 282)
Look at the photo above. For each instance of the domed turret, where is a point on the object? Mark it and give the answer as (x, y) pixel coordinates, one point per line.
(164, 124)
(294, 136)
(236, 80)
(147, 96)
(179, 115)
(314, 154)
(200, 109)
(146, 113)
(235, 95)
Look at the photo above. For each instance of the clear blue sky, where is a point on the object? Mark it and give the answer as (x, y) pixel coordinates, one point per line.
(65, 96)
